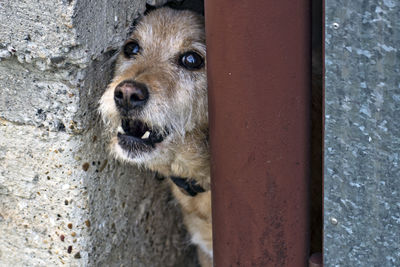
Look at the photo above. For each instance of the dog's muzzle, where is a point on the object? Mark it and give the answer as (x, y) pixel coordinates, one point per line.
(135, 136)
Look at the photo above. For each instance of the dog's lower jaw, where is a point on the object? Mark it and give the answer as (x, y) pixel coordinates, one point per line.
(152, 160)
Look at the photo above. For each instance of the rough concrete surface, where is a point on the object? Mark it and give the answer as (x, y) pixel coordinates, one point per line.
(63, 200)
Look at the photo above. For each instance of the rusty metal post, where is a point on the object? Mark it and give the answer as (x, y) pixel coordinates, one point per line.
(258, 55)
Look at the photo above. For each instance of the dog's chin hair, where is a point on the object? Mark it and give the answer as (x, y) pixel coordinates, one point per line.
(142, 160)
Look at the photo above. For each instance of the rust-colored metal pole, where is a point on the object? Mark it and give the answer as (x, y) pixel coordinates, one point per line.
(258, 55)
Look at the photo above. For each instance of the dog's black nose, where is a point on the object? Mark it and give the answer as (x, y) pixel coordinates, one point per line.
(130, 95)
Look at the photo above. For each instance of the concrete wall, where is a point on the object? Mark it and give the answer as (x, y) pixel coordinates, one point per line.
(62, 199)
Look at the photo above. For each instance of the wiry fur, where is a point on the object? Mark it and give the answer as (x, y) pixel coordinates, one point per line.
(177, 102)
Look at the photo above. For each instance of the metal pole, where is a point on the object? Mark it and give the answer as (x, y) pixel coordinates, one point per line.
(258, 56)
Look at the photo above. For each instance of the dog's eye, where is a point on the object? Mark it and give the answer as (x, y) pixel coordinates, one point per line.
(131, 49)
(191, 60)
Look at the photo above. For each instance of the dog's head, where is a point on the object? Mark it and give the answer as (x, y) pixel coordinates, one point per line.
(159, 92)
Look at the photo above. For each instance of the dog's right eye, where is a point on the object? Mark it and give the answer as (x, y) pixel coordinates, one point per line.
(131, 49)
(191, 60)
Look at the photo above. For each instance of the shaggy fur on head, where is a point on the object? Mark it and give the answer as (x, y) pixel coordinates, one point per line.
(176, 108)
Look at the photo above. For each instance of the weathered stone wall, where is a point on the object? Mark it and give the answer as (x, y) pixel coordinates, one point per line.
(62, 199)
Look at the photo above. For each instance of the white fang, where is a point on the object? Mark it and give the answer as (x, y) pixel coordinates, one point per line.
(145, 135)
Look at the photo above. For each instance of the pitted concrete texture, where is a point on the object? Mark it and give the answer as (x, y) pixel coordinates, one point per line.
(63, 200)
(43, 207)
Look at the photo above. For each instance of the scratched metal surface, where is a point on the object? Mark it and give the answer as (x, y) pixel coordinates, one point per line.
(362, 133)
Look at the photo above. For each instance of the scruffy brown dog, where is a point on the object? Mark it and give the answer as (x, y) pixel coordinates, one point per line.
(155, 110)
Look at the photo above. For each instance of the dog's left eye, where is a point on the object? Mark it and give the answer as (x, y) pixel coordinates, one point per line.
(131, 49)
(191, 60)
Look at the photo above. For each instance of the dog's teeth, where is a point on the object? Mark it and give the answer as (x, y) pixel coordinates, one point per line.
(120, 130)
(145, 135)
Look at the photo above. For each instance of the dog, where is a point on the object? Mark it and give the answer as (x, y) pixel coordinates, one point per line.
(155, 111)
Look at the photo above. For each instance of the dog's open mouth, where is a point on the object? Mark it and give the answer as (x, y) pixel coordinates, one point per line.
(138, 136)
